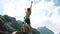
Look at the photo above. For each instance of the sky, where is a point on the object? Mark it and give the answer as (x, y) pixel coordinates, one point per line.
(44, 12)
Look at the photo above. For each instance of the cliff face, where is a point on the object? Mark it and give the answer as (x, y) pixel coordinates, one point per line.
(45, 30)
(10, 24)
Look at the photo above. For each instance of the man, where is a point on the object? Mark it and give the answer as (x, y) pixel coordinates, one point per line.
(27, 18)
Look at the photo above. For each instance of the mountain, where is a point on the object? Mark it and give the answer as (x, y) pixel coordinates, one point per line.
(9, 24)
(58, 33)
(44, 30)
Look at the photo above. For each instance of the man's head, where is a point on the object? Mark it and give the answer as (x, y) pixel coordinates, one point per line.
(28, 9)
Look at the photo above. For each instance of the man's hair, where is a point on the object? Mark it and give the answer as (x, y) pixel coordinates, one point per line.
(28, 9)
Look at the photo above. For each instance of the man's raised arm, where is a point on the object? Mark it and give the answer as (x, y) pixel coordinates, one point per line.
(31, 4)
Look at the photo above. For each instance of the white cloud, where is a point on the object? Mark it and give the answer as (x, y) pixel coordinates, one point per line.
(16, 9)
(43, 14)
(41, 18)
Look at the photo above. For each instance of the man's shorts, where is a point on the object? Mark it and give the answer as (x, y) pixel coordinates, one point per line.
(27, 20)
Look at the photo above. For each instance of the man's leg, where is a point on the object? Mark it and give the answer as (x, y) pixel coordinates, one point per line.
(29, 24)
(30, 28)
(25, 21)
(24, 27)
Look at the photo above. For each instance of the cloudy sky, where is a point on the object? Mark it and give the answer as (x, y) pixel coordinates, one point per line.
(44, 12)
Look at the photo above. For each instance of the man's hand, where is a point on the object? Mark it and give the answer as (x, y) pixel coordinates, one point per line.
(31, 1)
